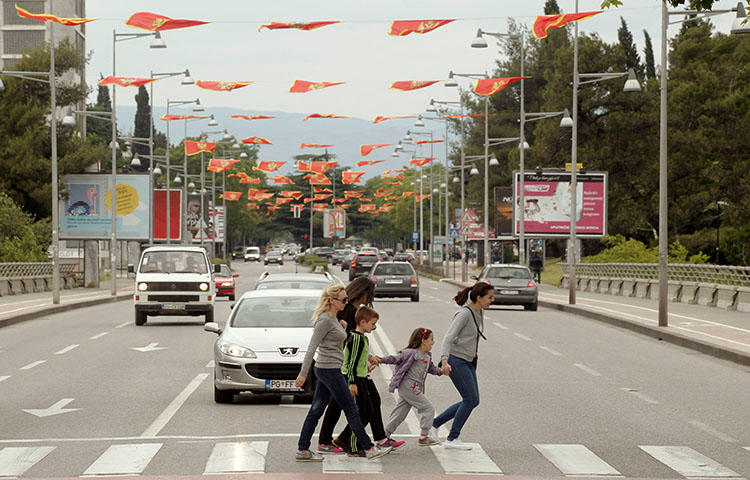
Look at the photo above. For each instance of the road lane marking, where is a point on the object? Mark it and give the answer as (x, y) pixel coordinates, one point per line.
(56, 409)
(123, 459)
(172, 408)
(344, 464)
(688, 463)
(211, 364)
(179, 438)
(522, 336)
(500, 325)
(32, 365)
(97, 336)
(588, 370)
(123, 324)
(576, 460)
(458, 462)
(550, 350)
(638, 394)
(4, 377)
(67, 349)
(14, 461)
(237, 457)
(712, 431)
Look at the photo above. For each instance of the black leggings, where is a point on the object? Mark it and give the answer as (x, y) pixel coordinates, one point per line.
(333, 413)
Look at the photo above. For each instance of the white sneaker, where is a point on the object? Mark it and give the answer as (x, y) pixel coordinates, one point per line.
(456, 444)
(433, 433)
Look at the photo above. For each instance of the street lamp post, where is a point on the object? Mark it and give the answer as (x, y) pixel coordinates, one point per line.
(419, 123)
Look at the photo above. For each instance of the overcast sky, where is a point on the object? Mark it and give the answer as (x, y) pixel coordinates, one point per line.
(358, 51)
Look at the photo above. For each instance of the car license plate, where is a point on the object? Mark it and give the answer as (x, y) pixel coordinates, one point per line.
(393, 282)
(280, 385)
(170, 306)
(509, 292)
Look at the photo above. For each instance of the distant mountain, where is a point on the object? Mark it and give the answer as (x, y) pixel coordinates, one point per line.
(287, 131)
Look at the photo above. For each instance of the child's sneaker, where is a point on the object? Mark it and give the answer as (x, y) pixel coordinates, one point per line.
(376, 451)
(433, 433)
(389, 442)
(427, 441)
(329, 448)
(307, 456)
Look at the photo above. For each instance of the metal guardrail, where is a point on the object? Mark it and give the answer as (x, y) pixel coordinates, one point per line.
(29, 270)
(679, 273)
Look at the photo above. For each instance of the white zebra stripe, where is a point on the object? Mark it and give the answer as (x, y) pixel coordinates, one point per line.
(688, 463)
(237, 457)
(123, 459)
(573, 459)
(14, 461)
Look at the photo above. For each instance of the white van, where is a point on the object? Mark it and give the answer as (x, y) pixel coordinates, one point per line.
(252, 254)
(174, 280)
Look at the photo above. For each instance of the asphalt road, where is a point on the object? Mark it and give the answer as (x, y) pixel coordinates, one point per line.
(560, 395)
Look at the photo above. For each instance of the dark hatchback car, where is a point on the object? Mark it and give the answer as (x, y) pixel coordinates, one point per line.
(326, 252)
(362, 263)
(513, 285)
(338, 255)
(274, 256)
(403, 257)
(395, 279)
(347, 260)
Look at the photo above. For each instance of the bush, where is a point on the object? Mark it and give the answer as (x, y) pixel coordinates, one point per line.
(22, 239)
(622, 250)
(313, 261)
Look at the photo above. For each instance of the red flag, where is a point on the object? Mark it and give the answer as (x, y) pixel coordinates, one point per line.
(422, 142)
(367, 163)
(407, 194)
(268, 167)
(388, 172)
(490, 86)
(348, 178)
(257, 141)
(298, 25)
(300, 205)
(307, 200)
(251, 192)
(465, 115)
(219, 165)
(382, 193)
(303, 166)
(313, 145)
(322, 196)
(254, 181)
(421, 162)
(125, 81)
(363, 199)
(543, 23)
(386, 208)
(392, 183)
(252, 206)
(383, 119)
(391, 198)
(154, 22)
(319, 207)
(279, 179)
(232, 196)
(290, 193)
(352, 194)
(70, 22)
(282, 201)
(321, 190)
(192, 148)
(301, 86)
(252, 117)
(412, 84)
(344, 206)
(317, 179)
(169, 118)
(367, 208)
(366, 149)
(400, 28)
(221, 85)
(317, 115)
(322, 166)
(423, 197)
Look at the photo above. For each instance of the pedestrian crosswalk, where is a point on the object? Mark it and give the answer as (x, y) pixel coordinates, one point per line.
(251, 456)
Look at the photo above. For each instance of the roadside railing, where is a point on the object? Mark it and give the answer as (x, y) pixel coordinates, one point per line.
(27, 277)
(713, 285)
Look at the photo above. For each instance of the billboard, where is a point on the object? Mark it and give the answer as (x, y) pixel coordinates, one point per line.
(87, 212)
(504, 211)
(175, 214)
(334, 223)
(217, 216)
(197, 219)
(547, 204)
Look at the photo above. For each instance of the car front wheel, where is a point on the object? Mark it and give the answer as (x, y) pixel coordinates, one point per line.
(140, 318)
(209, 316)
(223, 396)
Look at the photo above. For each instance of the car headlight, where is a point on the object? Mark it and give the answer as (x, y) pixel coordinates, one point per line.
(142, 287)
(236, 351)
(226, 284)
(203, 286)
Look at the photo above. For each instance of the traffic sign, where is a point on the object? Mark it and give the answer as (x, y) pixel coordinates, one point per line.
(414, 236)
(454, 233)
(440, 239)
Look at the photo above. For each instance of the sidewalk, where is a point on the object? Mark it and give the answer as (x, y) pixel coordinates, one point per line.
(710, 330)
(18, 308)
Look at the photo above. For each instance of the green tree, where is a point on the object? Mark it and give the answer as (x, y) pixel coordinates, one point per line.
(142, 124)
(21, 238)
(632, 60)
(100, 129)
(692, 4)
(648, 55)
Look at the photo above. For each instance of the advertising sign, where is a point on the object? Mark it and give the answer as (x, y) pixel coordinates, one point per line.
(199, 223)
(217, 215)
(504, 211)
(175, 214)
(547, 204)
(87, 212)
(334, 223)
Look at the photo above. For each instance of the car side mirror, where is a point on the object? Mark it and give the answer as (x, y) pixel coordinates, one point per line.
(212, 327)
(236, 275)
(131, 268)
(217, 268)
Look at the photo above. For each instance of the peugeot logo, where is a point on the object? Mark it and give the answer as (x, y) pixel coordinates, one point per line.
(288, 351)
(173, 286)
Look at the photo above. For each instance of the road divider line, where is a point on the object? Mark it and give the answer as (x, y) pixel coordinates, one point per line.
(588, 370)
(67, 349)
(32, 365)
(552, 351)
(638, 394)
(522, 336)
(123, 324)
(172, 408)
(712, 431)
(211, 364)
(500, 325)
(98, 336)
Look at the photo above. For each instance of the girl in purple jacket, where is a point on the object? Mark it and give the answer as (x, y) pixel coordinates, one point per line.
(413, 363)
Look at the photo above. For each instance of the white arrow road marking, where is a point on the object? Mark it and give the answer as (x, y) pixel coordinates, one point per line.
(55, 409)
(151, 347)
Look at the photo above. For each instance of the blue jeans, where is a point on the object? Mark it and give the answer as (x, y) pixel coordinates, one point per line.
(464, 377)
(332, 383)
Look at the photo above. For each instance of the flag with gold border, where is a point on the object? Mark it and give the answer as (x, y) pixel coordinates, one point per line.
(409, 85)
(318, 115)
(348, 178)
(365, 150)
(43, 17)
(193, 148)
(367, 163)
(302, 86)
(154, 22)
(400, 28)
(268, 166)
(543, 23)
(125, 81)
(218, 165)
(257, 141)
(421, 162)
(252, 117)
(221, 85)
(307, 26)
(313, 145)
(490, 86)
(281, 180)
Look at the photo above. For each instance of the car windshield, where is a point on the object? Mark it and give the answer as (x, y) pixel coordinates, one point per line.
(508, 272)
(393, 269)
(275, 312)
(252, 250)
(173, 262)
(274, 254)
(304, 285)
(224, 272)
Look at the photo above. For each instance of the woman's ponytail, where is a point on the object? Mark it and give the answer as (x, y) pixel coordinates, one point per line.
(479, 289)
(462, 296)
